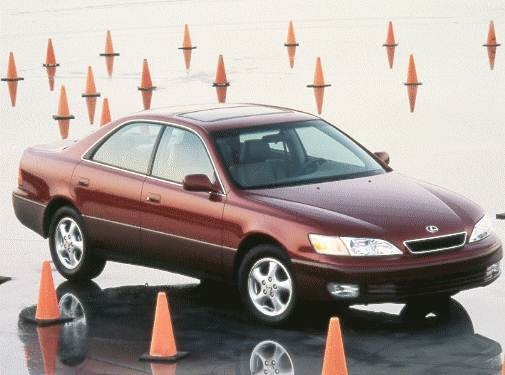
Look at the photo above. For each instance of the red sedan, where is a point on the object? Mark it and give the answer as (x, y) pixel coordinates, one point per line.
(276, 200)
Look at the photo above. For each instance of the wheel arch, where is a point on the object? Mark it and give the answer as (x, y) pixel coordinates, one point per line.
(55, 204)
(248, 242)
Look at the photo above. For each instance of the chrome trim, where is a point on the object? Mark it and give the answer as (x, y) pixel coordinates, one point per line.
(162, 233)
(433, 238)
(187, 239)
(140, 120)
(29, 200)
(111, 221)
(312, 263)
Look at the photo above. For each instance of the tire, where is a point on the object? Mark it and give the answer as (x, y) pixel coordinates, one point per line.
(82, 265)
(266, 272)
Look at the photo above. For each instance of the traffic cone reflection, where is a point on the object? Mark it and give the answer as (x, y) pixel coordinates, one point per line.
(48, 342)
(50, 64)
(491, 45)
(187, 48)
(146, 85)
(390, 45)
(109, 53)
(63, 115)
(221, 83)
(163, 368)
(334, 362)
(291, 44)
(90, 94)
(105, 118)
(163, 347)
(12, 79)
(319, 85)
(412, 83)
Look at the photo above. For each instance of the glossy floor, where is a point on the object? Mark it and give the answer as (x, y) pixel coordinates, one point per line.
(112, 327)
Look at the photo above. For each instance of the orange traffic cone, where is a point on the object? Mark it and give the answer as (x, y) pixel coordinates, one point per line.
(90, 94)
(63, 116)
(221, 83)
(46, 312)
(146, 85)
(412, 83)
(12, 79)
(334, 362)
(163, 368)
(50, 64)
(291, 44)
(491, 45)
(163, 347)
(109, 53)
(390, 44)
(187, 47)
(48, 342)
(105, 119)
(319, 85)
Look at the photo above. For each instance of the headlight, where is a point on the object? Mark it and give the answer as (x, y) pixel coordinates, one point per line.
(350, 246)
(481, 230)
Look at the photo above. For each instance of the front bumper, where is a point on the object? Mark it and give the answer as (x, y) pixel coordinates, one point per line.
(403, 279)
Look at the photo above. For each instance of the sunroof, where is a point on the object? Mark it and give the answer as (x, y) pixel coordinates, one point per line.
(226, 113)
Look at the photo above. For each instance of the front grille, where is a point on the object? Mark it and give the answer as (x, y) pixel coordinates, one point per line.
(451, 241)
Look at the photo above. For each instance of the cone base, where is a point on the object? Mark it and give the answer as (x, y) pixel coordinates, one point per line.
(28, 315)
(500, 216)
(171, 359)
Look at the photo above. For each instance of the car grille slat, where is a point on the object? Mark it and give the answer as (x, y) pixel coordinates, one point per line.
(426, 245)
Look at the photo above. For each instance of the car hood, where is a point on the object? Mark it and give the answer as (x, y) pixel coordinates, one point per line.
(395, 205)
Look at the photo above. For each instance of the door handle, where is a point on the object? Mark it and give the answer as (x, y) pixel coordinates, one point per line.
(83, 181)
(153, 198)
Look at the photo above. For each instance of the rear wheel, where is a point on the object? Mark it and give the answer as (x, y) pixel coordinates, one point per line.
(70, 249)
(267, 285)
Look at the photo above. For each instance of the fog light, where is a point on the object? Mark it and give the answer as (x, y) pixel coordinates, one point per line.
(493, 270)
(343, 290)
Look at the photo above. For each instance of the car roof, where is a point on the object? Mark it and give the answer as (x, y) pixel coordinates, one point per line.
(229, 116)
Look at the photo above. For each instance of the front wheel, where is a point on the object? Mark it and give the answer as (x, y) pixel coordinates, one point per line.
(267, 285)
(70, 249)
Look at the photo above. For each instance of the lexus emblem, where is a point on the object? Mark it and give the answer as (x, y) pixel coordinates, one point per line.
(432, 228)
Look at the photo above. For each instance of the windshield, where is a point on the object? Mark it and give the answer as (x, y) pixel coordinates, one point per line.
(292, 154)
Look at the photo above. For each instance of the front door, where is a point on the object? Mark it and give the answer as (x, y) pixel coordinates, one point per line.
(181, 229)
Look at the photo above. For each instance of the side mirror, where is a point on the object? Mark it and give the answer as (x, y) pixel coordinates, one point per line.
(199, 182)
(383, 156)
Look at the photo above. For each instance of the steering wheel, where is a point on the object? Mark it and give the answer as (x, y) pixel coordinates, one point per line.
(311, 165)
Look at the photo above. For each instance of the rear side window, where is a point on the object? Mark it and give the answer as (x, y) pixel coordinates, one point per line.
(130, 147)
(180, 153)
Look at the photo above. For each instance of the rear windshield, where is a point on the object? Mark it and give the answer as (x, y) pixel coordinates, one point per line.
(292, 154)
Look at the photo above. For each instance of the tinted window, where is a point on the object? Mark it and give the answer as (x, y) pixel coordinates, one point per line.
(180, 153)
(329, 148)
(292, 153)
(130, 147)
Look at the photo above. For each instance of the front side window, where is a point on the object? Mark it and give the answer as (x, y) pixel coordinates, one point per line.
(129, 148)
(292, 154)
(181, 153)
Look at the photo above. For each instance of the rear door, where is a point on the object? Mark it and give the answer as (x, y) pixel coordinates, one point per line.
(181, 229)
(107, 185)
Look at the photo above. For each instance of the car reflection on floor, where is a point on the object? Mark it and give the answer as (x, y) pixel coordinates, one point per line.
(112, 328)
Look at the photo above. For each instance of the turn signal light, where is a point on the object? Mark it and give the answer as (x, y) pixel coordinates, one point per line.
(20, 178)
